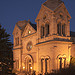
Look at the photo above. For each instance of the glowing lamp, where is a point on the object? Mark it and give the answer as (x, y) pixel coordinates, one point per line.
(23, 67)
(31, 68)
(29, 32)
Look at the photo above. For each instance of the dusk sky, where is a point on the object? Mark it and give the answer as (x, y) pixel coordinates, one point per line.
(12, 11)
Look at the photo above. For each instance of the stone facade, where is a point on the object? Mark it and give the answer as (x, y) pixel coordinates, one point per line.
(46, 46)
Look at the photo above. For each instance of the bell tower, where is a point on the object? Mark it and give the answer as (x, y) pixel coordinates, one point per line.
(53, 20)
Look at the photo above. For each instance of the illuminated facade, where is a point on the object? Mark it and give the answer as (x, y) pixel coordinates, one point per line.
(44, 47)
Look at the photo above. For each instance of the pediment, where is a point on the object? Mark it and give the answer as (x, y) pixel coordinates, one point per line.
(63, 11)
(16, 30)
(29, 30)
(44, 11)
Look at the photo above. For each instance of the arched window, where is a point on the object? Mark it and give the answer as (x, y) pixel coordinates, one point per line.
(42, 31)
(42, 65)
(62, 62)
(59, 28)
(47, 29)
(45, 65)
(63, 29)
(28, 63)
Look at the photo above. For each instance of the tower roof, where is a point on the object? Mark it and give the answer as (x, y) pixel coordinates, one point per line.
(52, 4)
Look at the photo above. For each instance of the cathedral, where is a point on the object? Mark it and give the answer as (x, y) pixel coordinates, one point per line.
(47, 46)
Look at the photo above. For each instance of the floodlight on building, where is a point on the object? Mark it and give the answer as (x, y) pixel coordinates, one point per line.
(23, 67)
(31, 68)
(29, 31)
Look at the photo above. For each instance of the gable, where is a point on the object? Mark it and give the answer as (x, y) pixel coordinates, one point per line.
(29, 30)
(62, 10)
(43, 11)
(51, 6)
(16, 30)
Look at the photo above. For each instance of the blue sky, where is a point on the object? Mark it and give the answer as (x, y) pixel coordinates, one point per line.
(12, 11)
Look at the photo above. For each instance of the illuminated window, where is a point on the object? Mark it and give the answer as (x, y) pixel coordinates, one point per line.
(45, 65)
(62, 62)
(28, 64)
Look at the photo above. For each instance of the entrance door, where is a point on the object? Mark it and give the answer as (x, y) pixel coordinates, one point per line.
(29, 67)
(28, 64)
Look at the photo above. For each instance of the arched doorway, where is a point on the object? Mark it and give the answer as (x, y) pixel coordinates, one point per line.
(28, 63)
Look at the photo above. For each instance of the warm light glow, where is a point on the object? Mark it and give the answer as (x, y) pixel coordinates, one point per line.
(59, 59)
(29, 31)
(30, 67)
(23, 68)
(30, 46)
(0, 62)
(64, 55)
(63, 60)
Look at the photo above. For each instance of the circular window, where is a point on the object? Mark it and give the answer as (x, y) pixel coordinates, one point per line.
(29, 46)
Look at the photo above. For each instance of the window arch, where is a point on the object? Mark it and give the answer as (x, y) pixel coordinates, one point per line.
(28, 63)
(61, 61)
(61, 29)
(42, 31)
(42, 65)
(45, 64)
(47, 61)
(47, 29)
